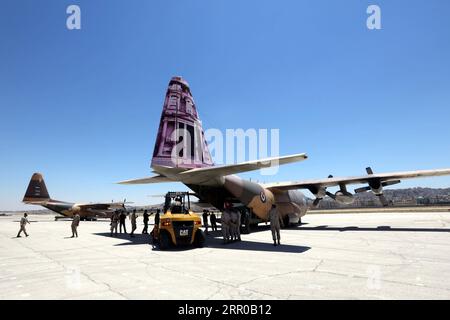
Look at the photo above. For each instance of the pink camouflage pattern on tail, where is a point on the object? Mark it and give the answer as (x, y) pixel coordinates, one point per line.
(185, 147)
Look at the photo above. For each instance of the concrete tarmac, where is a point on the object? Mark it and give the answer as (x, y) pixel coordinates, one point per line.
(331, 256)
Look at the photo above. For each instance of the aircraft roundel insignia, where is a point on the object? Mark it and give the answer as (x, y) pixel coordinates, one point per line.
(262, 195)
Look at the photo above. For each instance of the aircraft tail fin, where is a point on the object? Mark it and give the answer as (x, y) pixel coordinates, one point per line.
(36, 191)
(180, 142)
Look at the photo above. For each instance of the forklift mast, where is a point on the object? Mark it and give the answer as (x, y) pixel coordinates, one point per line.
(174, 194)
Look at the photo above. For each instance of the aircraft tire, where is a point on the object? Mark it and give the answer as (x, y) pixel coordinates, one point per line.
(246, 228)
(286, 222)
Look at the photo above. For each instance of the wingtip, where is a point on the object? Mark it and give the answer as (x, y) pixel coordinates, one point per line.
(123, 182)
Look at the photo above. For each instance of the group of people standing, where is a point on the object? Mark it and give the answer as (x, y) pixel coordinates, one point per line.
(212, 218)
(230, 222)
(119, 217)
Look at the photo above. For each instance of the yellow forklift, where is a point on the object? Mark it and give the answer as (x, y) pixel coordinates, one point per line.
(178, 225)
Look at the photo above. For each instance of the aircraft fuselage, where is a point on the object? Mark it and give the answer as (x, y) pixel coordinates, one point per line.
(70, 209)
(292, 203)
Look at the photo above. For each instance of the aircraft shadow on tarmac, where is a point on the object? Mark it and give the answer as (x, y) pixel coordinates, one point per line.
(351, 228)
(378, 228)
(137, 239)
(213, 240)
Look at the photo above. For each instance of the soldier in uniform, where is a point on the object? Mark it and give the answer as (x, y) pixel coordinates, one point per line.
(155, 231)
(23, 224)
(75, 223)
(213, 219)
(225, 222)
(205, 220)
(114, 222)
(236, 225)
(146, 217)
(122, 218)
(176, 206)
(275, 219)
(157, 217)
(133, 222)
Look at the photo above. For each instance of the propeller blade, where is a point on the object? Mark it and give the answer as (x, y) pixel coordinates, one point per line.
(390, 183)
(332, 196)
(383, 200)
(362, 189)
(316, 202)
(369, 170)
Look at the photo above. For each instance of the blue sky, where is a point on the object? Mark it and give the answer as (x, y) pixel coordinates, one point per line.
(83, 106)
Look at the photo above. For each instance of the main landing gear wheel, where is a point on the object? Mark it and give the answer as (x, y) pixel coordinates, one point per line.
(246, 228)
(286, 221)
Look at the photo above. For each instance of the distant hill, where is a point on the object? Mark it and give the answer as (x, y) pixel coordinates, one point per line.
(42, 211)
(396, 197)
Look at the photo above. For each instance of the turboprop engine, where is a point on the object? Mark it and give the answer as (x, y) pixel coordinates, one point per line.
(344, 197)
(75, 208)
(376, 186)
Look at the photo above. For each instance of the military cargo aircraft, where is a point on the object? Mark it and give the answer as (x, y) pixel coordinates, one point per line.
(37, 194)
(215, 184)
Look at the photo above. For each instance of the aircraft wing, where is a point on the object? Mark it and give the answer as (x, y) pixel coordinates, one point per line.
(386, 178)
(102, 206)
(153, 179)
(201, 175)
(218, 171)
(45, 202)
